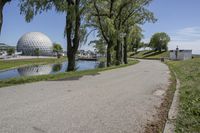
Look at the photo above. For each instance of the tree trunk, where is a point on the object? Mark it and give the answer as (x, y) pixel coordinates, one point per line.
(58, 55)
(1, 14)
(109, 55)
(73, 44)
(118, 53)
(160, 50)
(71, 61)
(125, 51)
(2, 4)
(71, 64)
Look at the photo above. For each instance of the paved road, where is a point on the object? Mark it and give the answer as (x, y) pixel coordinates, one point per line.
(115, 101)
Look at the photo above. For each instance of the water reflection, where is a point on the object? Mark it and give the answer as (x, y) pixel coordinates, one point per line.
(49, 69)
(101, 65)
(35, 70)
(57, 68)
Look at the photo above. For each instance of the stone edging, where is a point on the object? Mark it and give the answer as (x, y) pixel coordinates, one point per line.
(173, 111)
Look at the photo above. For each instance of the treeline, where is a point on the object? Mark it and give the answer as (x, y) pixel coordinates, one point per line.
(117, 22)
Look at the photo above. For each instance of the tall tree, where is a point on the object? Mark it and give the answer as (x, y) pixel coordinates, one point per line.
(101, 18)
(57, 48)
(132, 15)
(2, 4)
(132, 38)
(159, 41)
(111, 16)
(135, 37)
(74, 30)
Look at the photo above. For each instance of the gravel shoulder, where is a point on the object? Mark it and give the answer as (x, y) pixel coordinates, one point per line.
(115, 101)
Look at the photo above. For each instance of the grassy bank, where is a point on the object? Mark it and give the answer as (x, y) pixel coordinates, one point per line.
(9, 64)
(59, 76)
(188, 73)
(150, 54)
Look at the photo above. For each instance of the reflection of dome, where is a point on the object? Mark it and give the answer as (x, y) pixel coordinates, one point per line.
(30, 42)
(35, 70)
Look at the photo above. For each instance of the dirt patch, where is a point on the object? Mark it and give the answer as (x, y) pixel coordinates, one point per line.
(157, 125)
(159, 93)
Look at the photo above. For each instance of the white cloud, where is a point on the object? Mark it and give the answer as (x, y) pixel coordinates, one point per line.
(190, 32)
(186, 34)
(146, 40)
(187, 38)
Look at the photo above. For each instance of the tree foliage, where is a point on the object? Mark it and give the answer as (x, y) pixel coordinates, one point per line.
(159, 41)
(134, 37)
(114, 19)
(100, 47)
(57, 48)
(10, 51)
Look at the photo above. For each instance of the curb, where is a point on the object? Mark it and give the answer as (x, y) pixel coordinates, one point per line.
(173, 111)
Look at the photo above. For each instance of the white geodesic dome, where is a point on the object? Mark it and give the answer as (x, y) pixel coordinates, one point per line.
(30, 42)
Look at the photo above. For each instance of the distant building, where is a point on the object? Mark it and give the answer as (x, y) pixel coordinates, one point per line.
(5, 47)
(86, 54)
(180, 54)
(3, 50)
(144, 48)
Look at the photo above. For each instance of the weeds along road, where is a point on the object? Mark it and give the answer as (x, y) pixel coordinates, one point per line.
(115, 101)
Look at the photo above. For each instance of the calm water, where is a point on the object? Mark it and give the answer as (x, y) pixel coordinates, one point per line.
(48, 69)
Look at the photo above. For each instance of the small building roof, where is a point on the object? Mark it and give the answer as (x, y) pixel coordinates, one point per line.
(182, 50)
(4, 46)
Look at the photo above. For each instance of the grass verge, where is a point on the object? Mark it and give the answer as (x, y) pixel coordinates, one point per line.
(59, 76)
(10, 64)
(150, 54)
(158, 123)
(188, 72)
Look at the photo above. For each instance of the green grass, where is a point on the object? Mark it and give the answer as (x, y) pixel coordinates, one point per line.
(9, 64)
(196, 56)
(149, 54)
(188, 72)
(59, 76)
(102, 59)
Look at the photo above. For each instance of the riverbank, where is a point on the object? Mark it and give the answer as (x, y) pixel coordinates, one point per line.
(149, 54)
(59, 76)
(11, 64)
(188, 72)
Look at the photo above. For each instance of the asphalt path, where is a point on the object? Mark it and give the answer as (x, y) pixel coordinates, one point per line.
(116, 101)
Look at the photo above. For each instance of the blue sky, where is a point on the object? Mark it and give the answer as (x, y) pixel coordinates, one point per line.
(179, 18)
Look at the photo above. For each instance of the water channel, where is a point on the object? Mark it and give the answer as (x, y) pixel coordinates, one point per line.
(48, 69)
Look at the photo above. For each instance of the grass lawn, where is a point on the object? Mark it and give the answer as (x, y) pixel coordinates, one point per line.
(59, 76)
(149, 54)
(188, 72)
(9, 64)
(102, 59)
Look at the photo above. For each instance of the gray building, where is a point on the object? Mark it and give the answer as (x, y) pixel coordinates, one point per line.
(180, 54)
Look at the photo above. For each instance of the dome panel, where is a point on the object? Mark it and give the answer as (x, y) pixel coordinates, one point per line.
(31, 41)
